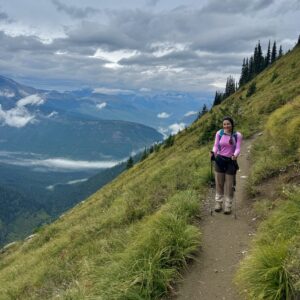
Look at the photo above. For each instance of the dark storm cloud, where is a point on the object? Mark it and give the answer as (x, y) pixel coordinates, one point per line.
(73, 11)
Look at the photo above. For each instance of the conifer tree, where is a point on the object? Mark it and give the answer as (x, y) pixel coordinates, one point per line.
(260, 59)
(251, 68)
(169, 141)
(243, 74)
(298, 43)
(151, 150)
(145, 154)
(218, 98)
(274, 53)
(255, 61)
(280, 52)
(230, 87)
(129, 162)
(268, 56)
(247, 71)
(251, 89)
(204, 110)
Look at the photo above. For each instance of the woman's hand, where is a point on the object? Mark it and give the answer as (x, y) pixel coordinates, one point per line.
(233, 157)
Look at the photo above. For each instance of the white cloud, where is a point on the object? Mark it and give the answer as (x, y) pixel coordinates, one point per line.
(16, 117)
(145, 90)
(101, 105)
(77, 181)
(62, 164)
(31, 100)
(163, 131)
(19, 116)
(163, 115)
(54, 113)
(71, 182)
(176, 127)
(190, 113)
(7, 93)
(108, 91)
(114, 56)
(218, 84)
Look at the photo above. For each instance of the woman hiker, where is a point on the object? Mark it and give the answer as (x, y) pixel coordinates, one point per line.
(226, 149)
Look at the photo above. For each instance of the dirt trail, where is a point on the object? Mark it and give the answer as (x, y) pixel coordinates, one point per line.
(225, 242)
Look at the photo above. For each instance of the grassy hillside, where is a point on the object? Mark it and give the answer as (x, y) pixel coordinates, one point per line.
(131, 238)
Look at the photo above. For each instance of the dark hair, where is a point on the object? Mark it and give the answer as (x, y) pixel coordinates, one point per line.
(227, 118)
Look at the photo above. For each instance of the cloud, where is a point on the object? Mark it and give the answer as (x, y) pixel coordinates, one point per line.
(101, 105)
(145, 90)
(151, 2)
(7, 93)
(19, 116)
(163, 115)
(191, 113)
(31, 100)
(109, 91)
(176, 127)
(61, 164)
(52, 114)
(236, 6)
(130, 47)
(5, 18)
(75, 12)
(77, 181)
(16, 117)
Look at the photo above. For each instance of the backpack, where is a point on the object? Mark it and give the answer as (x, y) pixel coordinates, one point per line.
(221, 133)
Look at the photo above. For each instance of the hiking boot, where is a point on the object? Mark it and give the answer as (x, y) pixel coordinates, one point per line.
(227, 210)
(218, 206)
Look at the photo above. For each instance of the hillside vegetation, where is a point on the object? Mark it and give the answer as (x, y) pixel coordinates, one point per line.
(131, 238)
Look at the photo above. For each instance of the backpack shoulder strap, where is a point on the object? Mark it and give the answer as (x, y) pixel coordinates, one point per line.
(235, 136)
(221, 132)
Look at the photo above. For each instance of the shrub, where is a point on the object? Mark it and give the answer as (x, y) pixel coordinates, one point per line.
(251, 89)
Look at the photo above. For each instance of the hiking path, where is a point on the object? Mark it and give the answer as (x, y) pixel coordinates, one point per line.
(225, 241)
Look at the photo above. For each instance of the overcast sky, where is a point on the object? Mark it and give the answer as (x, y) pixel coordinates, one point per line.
(138, 44)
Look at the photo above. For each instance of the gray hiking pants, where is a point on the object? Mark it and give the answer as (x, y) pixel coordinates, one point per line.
(224, 188)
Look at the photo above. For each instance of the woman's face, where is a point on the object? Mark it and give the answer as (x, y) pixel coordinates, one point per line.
(227, 125)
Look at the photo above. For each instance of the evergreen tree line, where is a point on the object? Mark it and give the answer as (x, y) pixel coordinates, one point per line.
(230, 88)
(258, 62)
(250, 68)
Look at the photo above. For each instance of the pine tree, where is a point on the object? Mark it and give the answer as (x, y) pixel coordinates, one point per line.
(129, 162)
(144, 155)
(218, 98)
(247, 71)
(169, 141)
(204, 110)
(280, 52)
(298, 43)
(260, 59)
(274, 53)
(251, 89)
(243, 75)
(268, 56)
(255, 61)
(151, 150)
(230, 87)
(251, 68)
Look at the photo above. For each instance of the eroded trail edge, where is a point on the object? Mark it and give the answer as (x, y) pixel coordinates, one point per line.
(225, 242)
